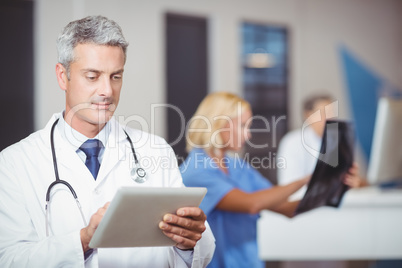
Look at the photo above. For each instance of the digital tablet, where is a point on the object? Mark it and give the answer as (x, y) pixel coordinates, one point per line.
(326, 187)
(133, 216)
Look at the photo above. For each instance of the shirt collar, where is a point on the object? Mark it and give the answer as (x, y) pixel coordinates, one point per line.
(75, 138)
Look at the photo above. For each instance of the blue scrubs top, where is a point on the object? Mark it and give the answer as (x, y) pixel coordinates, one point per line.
(235, 233)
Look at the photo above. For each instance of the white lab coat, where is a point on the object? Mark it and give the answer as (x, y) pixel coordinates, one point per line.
(26, 171)
(300, 157)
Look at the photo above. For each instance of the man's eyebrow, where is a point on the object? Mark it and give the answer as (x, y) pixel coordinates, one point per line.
(97, 71)
(118, 71)
(90, 71)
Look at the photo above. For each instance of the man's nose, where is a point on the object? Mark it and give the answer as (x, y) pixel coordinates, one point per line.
(105, 88)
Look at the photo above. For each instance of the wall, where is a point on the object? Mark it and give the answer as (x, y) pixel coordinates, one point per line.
(369, 28)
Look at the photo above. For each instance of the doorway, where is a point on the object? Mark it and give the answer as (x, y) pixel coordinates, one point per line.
(186, 74)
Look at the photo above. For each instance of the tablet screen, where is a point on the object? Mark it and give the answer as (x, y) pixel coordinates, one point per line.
(133, 216)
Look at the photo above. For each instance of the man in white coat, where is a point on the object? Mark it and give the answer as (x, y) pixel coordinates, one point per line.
(293, 147)
(92, 54)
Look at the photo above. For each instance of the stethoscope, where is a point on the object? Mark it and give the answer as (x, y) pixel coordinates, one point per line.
(137, 173)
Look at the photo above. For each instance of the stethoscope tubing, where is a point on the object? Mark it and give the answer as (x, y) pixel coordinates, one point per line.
(57, 178)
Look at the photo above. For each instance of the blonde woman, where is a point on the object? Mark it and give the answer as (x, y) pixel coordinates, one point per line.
(236, 191)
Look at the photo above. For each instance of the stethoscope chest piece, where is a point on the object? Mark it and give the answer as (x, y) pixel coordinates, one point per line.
(138, 175)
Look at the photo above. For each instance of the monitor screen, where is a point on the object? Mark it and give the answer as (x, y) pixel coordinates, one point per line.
(326, 187)
(385, 165)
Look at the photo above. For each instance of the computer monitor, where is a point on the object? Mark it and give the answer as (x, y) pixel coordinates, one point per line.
(385, 165)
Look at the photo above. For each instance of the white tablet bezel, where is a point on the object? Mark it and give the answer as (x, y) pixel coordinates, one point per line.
(133, 216)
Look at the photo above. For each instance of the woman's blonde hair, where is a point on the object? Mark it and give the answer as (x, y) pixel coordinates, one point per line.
(212, 114)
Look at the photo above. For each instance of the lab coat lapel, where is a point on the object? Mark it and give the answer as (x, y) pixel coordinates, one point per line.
(115, 150)
(68, 158)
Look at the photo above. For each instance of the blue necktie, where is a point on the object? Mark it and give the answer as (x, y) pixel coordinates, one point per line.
(91, 148)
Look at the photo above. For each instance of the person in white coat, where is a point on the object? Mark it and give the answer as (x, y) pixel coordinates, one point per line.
(300, 162)
(92, 54)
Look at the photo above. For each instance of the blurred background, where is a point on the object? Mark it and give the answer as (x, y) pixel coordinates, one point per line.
(273, 53)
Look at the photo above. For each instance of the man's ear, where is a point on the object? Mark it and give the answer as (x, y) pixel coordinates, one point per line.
(61, 75)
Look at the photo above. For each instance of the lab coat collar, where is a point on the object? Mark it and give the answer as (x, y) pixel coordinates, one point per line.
(115, 150)
(75, 138)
